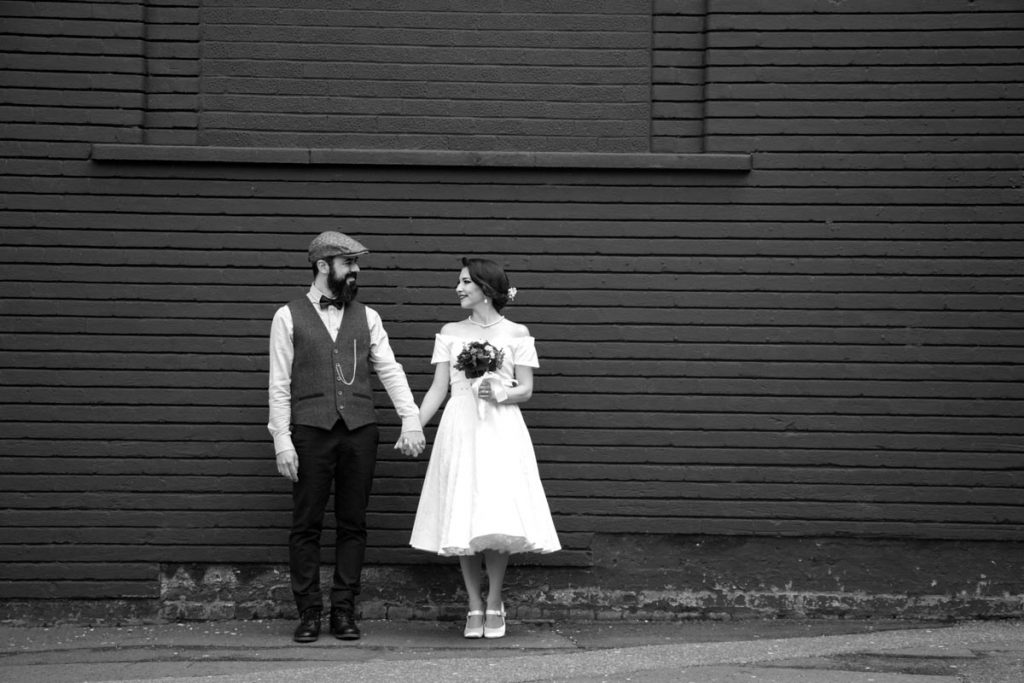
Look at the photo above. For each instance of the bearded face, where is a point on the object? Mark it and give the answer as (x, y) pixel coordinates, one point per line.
(342, 281)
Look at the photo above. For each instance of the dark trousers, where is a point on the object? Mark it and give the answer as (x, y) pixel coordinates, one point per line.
(346, 460)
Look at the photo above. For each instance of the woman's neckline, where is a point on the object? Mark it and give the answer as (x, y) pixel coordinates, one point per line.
(503, 335)
(485, 325)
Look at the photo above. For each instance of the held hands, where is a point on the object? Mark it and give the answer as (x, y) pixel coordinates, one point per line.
(411, 443)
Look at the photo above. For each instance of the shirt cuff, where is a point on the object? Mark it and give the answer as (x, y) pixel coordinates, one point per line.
(282, 443)
(411, 424)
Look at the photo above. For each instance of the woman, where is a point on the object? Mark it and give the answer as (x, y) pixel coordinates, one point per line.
(482, 497)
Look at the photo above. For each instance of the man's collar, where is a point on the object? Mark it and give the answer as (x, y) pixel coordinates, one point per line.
(315, 293)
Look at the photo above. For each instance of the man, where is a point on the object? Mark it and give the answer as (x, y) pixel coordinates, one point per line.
(324, 427)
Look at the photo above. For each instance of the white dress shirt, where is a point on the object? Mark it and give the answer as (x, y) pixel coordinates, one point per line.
(282, 352)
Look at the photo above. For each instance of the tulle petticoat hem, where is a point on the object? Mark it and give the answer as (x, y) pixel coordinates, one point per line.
(503, 544)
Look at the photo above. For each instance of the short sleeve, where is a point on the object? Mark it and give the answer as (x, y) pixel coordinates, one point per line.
(524, 352)
(442, 349)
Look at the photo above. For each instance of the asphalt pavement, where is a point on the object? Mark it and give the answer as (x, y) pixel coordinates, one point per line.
(781, 651)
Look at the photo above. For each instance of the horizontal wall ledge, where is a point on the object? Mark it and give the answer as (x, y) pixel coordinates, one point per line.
(416, 157)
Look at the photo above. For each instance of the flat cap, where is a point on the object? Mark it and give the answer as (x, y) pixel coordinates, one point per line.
(332, 243)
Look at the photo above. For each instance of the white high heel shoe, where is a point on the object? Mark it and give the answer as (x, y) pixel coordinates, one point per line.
(474, 631)
(498, 632)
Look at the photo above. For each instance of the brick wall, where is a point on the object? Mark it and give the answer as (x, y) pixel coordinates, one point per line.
(826, 346)
(458, 74)
(172, 52)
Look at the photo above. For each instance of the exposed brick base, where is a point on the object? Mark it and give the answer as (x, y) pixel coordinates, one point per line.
(633, 578)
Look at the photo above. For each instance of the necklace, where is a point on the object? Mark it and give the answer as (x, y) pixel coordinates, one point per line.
(485, 324)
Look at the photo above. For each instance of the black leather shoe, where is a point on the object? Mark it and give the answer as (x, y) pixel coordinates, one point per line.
(343, 625)
(308, 629)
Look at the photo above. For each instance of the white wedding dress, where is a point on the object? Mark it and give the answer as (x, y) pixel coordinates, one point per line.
(482, 490)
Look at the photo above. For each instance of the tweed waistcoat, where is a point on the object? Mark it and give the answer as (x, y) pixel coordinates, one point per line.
(331, 379)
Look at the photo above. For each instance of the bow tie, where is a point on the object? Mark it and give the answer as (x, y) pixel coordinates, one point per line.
(327, 301)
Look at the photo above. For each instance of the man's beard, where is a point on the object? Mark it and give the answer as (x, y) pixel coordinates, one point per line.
(344, 289)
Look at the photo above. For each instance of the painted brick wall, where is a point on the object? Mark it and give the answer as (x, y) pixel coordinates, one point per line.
(678, 71)
(454, 74)
(172, 50)
(829, 345)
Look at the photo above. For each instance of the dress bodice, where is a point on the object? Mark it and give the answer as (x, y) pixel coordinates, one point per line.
(517, 351)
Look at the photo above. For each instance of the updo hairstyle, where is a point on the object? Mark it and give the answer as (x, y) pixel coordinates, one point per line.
(489, 277)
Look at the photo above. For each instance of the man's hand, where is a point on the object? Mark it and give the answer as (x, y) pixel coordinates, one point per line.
(411, 443)
(288, 464)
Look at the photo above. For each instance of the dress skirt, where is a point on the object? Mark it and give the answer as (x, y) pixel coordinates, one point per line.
(482, 489)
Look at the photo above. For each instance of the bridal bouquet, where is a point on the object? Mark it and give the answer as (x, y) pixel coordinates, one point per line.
(478, 358)
(480, 361)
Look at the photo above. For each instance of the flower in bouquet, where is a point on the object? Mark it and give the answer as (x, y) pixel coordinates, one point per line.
(478, 358)
(480, 361)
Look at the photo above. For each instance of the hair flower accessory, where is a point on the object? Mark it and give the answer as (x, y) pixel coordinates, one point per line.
(512, 291)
